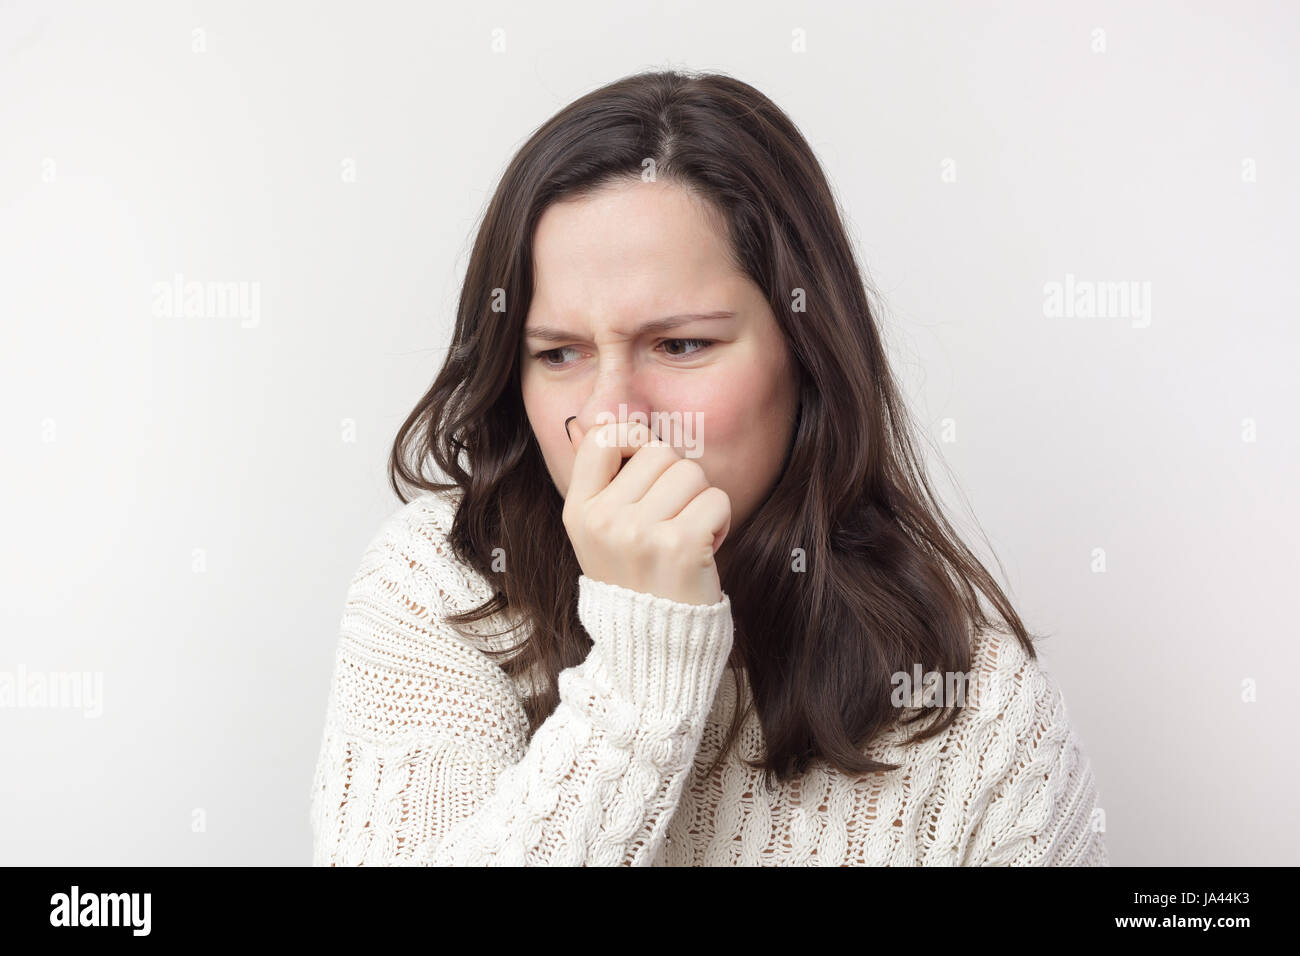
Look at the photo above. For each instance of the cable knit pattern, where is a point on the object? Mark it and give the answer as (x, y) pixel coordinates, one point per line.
(425, 757)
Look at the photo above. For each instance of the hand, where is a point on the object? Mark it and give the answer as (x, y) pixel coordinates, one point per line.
(644, 517)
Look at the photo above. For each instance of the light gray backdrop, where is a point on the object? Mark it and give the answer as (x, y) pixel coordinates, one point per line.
(187, 496)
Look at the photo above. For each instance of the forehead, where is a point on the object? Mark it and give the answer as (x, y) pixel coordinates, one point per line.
(630, 245)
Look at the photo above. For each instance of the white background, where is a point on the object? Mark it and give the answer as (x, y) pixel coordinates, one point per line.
(133, 439)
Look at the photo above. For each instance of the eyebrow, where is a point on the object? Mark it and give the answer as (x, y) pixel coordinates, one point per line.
(547, 334)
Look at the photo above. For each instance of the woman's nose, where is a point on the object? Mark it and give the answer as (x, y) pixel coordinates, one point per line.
(621, 413)
(615, 397)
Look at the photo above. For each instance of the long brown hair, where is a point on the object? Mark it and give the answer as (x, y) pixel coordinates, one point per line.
(887, 583)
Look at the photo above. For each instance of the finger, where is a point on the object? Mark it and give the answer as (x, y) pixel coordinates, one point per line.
(601, 453)
(577, 433)
(643, 470)
(672, 490)
(708, 513)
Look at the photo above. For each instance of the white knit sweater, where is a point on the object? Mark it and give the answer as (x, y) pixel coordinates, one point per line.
(425, 758)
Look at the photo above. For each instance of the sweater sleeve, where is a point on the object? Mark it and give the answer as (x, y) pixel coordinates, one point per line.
(425, 758)
(1039, 806)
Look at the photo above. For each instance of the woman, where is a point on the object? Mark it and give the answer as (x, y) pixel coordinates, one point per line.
(668, 604)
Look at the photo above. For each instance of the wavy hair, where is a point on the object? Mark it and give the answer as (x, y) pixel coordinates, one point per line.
(887, 583)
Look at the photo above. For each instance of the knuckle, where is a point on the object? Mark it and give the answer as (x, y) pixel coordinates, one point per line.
(688, 469)
(659, 451)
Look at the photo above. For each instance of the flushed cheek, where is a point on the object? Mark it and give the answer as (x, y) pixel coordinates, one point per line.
(740, 439)
(714, 437)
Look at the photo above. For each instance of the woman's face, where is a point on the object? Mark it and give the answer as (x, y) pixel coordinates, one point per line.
(631, 254)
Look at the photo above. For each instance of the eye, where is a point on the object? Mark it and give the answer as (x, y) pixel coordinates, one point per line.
(542, 356)
(702, 343)
(545, 356)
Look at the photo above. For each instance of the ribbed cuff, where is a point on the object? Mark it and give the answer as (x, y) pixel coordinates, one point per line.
(665, 656)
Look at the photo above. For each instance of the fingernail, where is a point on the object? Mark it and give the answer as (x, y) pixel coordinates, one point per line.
(566, 427)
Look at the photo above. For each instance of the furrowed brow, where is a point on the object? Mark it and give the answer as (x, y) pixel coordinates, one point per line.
(544, 333)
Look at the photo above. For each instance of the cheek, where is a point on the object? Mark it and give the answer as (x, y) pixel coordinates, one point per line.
(741, 431)
(546, 415)
(718, 430)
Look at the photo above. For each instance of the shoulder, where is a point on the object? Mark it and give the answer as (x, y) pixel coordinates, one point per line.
(412, 545)
(424, 520)
(1016, 701)
(1025, 692)
(1032, 793)
(1012, 716)
(400, 665)
(1007, 702)
(410, 562)
(1020, 729)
